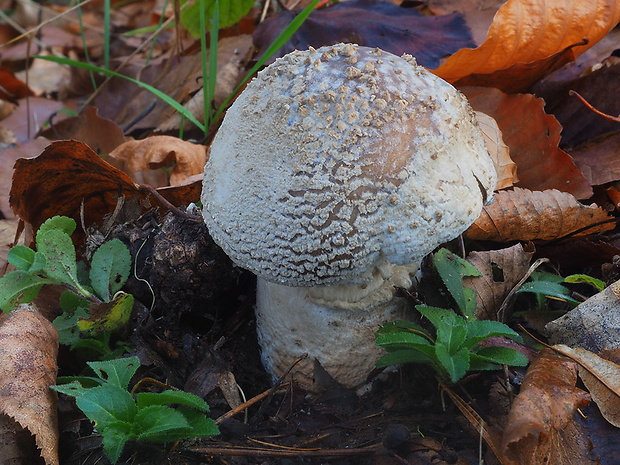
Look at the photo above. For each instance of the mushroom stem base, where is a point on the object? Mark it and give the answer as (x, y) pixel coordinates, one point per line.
(290, 324)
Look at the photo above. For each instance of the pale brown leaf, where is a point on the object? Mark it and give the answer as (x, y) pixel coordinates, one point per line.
(156, 152)
(498, 150)
(501, 271)
(541, 426)
(601, 377)
(524, 215)
(28, 350)
(530, 31)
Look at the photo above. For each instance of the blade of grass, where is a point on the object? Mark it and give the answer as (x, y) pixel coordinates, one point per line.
(203, 55)
(212, 76)
(284, 36)
(173, 103)
(86, 54)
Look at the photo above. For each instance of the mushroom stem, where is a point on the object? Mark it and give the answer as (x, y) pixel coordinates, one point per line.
(290, 323)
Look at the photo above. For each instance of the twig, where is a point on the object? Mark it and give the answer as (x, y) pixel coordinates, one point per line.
(240, 408)
(163, 201)
(502, 310)
(598, 112)
(264, 452)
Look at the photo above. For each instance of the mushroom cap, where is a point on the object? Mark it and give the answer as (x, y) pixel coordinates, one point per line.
(332, 160)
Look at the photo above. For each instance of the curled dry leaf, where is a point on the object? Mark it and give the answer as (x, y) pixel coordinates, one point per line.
(501, 271)
(160, 151)
(536, 37)
(499, 151)
(541, 426)
(69, 172)
(523, 215)
(601, 377)
(28, 350)
(593, 325)
(532, 137)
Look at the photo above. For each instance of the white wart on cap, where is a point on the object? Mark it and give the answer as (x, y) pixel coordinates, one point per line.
(337, 164)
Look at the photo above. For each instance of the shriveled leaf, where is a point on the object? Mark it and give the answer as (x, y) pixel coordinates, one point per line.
(533, 138)
(536, 37)
(541, 427)
(69, 172)
(161, 151)
(373, 24)
(498, 150)
(524, 215)
(601, 377)
(108, 316)
(593, 325)
(28, 352)
(598, 158)
(501, 271)
(18, 445)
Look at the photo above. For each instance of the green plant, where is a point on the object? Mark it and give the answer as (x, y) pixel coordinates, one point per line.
(93, 305)
(456, 345)
(548, 285)
(119, 418)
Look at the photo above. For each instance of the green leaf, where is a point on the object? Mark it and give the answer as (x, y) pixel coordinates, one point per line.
(117, 372)
(145, 399)
(58, 223)
(111, 316)
(155, 422)
(115, 436)
(66, 325)
(549, 289)
(452, 270)
(26, 259)
(456, 364)
(200, 424)
(231, 11)
(451, 334)
(480, 330)
(585, 279)
(497, 355)
(398, 341)
(59, 254)
(402, 326)
(400, 357)
(72, 389)
(107, 404)
(109, 268)
(19, 286)
(437, 315)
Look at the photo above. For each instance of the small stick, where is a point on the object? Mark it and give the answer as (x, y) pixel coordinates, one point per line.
(587, 104)
(241, 407)
(263, 452)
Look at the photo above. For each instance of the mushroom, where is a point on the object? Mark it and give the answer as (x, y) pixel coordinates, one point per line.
(333, 175)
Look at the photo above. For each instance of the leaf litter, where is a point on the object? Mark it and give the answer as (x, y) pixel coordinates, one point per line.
(548, 152)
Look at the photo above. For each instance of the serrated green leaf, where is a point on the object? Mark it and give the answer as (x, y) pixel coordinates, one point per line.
(585, 279)
(402, 326)
(451, 335)
(72, 389)
(400, 357)
(117, 372)
(452, 269)
(231, 11)
(59, 223)
(18, 287)
(397, 341)
(115, 436)
(497, 355)
(109, 268)
(107, 404)
(155, 423)
(200, 424)
(480, 330)
(436, 314)
(456, 364)
(549, 289)
(59, 254)
(145, 399)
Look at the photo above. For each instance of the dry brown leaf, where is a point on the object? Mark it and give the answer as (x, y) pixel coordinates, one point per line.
(523, 215)
(533, 138)
(598, 158)
(17, 445)
(501, 271)
(593, 325)
(601, 377)
(525, 32)
(28, 350)
(540, 426)
(499, 151)
(156, 152)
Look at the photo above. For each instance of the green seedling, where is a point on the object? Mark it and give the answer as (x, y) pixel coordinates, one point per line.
(550, 286)
(93, 304)
(121, 416)
(454, 348)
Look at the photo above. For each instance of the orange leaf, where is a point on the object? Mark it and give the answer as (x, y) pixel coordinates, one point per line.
(533, 137)
(69, 172)
(540, 426)
(29, 351)
(528, 32)
(160, 151)
(523, 215)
